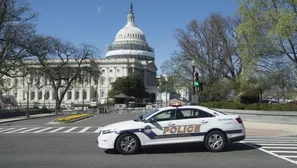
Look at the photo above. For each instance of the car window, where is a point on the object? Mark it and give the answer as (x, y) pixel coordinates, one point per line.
(203, 114)
(189, 113)
(165, 115)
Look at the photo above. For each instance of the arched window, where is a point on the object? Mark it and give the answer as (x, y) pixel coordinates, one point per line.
(32, 95)
(15, 94)
(46, 95)
(40, 95)
(84, 95)
(76, 95)
(69, 95)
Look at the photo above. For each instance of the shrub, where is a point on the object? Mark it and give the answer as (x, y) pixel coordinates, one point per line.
(254, 106)
(232, 105)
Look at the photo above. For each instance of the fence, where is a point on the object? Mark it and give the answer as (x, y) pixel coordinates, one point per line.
(108, 110)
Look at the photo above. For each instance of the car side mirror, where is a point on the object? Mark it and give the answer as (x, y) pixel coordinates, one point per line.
(141, 117)
(151, 120)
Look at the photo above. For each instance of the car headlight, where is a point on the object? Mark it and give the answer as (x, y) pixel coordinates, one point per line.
(108, 131)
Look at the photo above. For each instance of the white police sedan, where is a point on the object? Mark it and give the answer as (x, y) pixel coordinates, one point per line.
(171, 125)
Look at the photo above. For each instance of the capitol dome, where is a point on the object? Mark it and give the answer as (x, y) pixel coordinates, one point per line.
(130, 42)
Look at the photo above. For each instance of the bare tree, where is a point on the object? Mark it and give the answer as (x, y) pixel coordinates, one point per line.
(15, 30)
(212, 44)
(63, 64)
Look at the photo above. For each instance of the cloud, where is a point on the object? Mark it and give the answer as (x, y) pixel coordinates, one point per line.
(99, 9)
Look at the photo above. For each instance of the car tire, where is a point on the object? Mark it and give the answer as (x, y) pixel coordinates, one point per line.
(215, 141)
(127, 144)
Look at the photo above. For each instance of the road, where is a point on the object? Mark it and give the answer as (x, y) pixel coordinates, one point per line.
(30, 144)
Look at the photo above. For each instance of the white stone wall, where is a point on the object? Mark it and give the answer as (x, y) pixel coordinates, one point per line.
(110, 68)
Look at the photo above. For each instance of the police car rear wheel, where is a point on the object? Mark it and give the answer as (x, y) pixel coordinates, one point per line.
(215, 141)
(127, 144)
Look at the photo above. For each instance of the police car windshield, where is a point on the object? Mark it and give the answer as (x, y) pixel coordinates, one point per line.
(150, 113)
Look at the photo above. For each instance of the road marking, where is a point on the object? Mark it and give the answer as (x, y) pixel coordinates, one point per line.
(7, 129)
(278, 147)
(84, 130)
(284, 151)
(58, 129)
(98, 130)
(71, 129)
(271, 153)
(268, 140)
(288, 156)
(29, 130)
(15, 130)
(277, 144)
(43, 130)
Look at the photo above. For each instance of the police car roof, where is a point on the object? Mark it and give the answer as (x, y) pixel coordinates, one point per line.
(191, 106)
(182, 106)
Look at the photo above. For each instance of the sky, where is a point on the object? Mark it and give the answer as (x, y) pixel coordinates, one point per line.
(96, 22)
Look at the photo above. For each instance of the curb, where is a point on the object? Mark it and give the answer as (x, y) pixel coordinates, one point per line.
(20, 119)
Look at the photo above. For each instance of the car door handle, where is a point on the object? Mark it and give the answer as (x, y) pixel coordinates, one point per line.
(171, 124)
(203, 122)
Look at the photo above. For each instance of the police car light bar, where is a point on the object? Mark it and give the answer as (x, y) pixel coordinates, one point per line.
(176, 104)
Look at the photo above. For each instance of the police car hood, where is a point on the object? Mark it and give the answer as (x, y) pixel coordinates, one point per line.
(129, 124)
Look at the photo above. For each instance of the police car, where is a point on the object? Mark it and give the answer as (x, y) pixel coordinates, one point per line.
(171, 125)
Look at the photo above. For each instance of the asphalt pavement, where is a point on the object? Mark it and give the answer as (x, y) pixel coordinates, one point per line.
(33, 143)
(80, 150)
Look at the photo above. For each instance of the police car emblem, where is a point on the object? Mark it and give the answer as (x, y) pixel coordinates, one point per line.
(147, 129)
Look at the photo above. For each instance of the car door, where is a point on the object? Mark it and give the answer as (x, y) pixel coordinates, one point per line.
(156, 131)
(192, 124)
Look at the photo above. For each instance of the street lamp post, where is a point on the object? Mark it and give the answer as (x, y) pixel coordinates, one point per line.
(166, 86)
(193, 67)
(194, 93)
(28, 92)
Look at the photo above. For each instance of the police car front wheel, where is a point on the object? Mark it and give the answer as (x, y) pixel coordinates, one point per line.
(127, 144)
(215, 141)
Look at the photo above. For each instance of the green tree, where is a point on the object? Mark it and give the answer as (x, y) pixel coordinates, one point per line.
(130, 86)
(268, 29)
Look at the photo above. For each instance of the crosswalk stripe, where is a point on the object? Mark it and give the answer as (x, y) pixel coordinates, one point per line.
(7, 129)
(273, 153)
(97, 130)
(288, 156)
(15, 130)
(267, 144)
(274, 140)
(84, 130)
(257, 142)
(58, 129)
(71, 129)
(278, 147)
(43, 130)
(284, 151)
(29, 130)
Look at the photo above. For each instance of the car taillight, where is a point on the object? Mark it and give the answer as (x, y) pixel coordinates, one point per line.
(239, 120)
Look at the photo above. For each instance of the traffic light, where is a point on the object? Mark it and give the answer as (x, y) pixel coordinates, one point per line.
(196, 79)
(201, 87)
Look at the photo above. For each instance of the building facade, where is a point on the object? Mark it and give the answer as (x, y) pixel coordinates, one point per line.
(128, 55)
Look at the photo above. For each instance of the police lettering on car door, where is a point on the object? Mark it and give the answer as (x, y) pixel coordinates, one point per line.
(179, 131)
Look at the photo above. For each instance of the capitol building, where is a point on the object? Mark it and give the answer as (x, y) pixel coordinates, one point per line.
(128, 55)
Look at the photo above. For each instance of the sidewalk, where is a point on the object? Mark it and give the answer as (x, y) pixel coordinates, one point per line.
(270, 129)
(6, 120)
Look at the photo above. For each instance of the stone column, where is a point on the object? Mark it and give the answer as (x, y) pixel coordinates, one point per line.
(144, 80)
